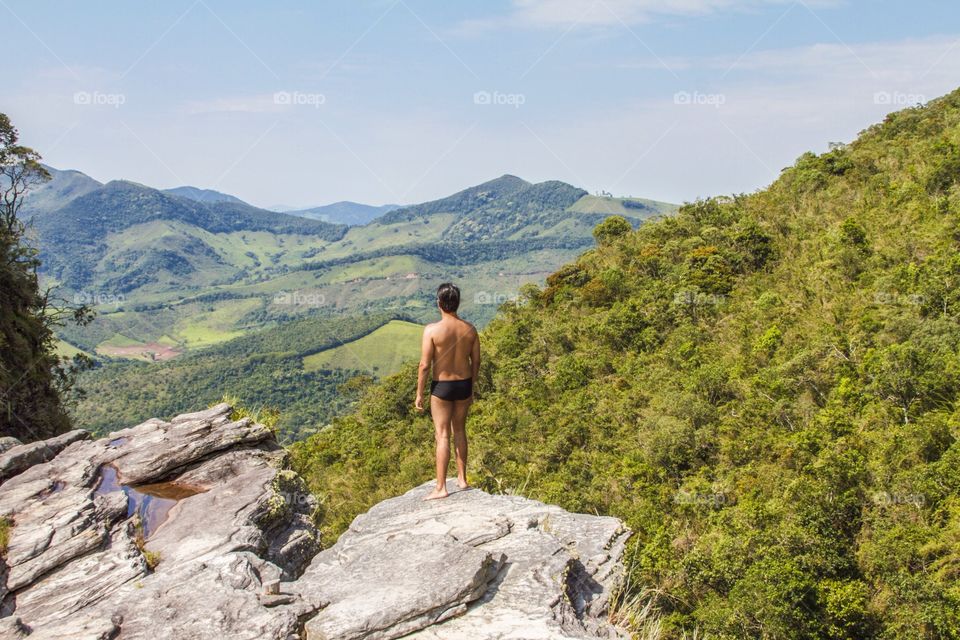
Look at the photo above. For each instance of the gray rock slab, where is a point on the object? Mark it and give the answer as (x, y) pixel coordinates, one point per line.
(409, 568)
(16, 459)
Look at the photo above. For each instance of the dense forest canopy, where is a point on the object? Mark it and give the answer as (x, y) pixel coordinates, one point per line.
(33, 379)
(764, 387)
(260, 370)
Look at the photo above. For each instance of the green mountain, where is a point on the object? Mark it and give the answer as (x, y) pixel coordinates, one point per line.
(345, 212)
(196, 300)
(108, 237)
(763, 386)
(203, 195)
(169, 275)
(54, 194)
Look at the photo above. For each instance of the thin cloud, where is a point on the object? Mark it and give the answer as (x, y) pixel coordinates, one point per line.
(606, 13)
(920, 60)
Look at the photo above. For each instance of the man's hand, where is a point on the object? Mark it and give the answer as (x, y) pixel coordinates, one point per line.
(418, 403)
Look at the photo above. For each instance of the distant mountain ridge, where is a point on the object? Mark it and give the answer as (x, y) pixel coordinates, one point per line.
(74, 237)
(467, 200)
(63, 186)
(124, 236)
(344, 212)
(203, 195)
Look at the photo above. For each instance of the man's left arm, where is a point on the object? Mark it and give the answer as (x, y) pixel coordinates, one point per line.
(475, 356)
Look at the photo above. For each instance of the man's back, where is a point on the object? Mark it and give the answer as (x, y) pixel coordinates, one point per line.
(453, 342)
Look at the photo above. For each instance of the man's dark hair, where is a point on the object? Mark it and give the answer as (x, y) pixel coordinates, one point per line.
(448, 296)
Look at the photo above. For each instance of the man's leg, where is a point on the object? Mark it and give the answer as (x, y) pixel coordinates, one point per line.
(458, 422)
(441, 411)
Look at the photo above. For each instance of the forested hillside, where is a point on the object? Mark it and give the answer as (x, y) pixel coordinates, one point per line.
(764, 387)
(75, 237)
(35, 382)
(176, 271)
(261, 370)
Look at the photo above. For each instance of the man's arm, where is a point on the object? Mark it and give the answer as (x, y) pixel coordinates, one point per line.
(475, 356)
(426, 359)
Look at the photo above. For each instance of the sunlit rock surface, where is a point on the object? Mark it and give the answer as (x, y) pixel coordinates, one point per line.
(192, 529)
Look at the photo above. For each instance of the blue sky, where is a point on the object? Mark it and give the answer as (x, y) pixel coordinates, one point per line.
(408, 100)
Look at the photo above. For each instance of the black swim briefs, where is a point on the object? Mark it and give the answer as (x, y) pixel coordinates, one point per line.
(452, 389)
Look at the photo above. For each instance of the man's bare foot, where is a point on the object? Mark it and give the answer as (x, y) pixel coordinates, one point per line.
(462, 485)
(437, 494)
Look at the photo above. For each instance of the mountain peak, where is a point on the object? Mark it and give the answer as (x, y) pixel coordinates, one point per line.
(203, 195)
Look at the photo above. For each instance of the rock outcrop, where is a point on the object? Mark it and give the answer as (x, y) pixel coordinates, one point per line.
(192, 529)
(82, 561)
(472, 566)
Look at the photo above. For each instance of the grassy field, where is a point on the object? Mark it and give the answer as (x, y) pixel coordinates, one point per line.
(378, 353)
(67, 350)
(611, 206)
(219, 324)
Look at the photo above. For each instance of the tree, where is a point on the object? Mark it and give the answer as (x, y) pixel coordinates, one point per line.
(33, 379)
(611, 228)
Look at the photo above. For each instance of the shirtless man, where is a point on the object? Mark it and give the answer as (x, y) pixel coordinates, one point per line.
(452, 347)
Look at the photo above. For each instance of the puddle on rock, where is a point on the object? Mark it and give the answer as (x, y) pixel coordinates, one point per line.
(117, 442)
(151, 501)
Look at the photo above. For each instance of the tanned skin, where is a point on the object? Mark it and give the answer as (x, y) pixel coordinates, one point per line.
(452, 348)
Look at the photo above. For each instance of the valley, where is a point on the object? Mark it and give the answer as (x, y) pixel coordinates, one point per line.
(180, 278)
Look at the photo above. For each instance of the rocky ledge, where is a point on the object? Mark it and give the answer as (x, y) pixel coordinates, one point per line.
(193, 529)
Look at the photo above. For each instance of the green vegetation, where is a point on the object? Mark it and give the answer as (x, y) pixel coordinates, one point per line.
(33, 378)
(166, 270)
(764, 387)
(621, 206)
(74, 236)
(5, 526)
(263, 369)
(382, 351)
(151, 558)
(267, 416)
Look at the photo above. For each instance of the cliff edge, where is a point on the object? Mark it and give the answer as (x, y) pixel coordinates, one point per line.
(193, 529)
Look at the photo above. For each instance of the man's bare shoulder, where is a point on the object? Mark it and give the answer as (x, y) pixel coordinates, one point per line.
(469, 331)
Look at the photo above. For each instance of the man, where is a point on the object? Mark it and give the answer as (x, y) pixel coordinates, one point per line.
(452, 348)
